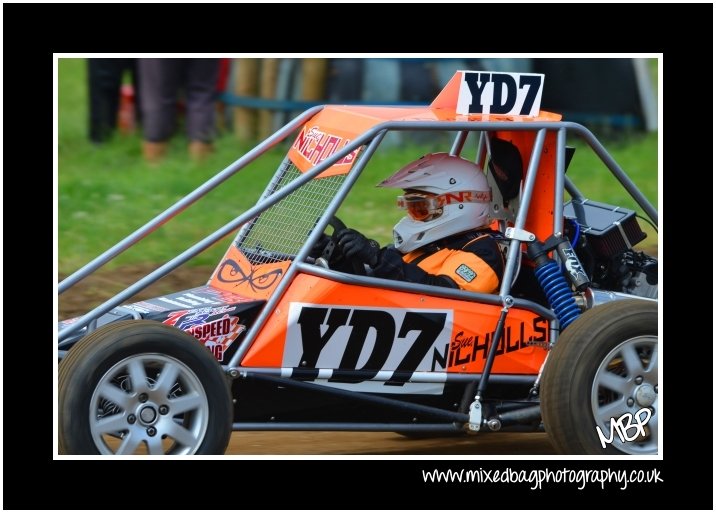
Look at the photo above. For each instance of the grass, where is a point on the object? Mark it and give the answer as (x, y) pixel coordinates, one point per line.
(106, 192)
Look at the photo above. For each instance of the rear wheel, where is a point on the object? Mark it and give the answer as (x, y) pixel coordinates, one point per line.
(140, 387)
(604, 368)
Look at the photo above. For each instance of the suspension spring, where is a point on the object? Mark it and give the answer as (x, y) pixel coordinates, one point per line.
(558, 293)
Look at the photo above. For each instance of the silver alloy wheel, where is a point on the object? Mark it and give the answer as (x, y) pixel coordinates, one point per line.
(149, 402)
(626, 382)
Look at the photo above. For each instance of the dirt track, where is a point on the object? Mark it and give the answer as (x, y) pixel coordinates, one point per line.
(103, 284)
(319, 442)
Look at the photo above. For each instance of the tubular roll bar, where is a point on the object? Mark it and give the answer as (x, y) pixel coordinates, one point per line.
(372, 137)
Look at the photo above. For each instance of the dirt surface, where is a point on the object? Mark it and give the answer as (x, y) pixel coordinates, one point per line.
(321, 442)
(103, 284)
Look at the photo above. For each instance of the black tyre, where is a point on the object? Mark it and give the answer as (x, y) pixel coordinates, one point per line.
(603, 367)
(141, 387)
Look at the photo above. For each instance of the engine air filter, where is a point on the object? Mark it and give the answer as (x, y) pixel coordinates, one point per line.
(610, 230)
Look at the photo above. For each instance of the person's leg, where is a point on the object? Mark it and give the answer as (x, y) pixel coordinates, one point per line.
(201, 80)
(158, 82)
(105, 77)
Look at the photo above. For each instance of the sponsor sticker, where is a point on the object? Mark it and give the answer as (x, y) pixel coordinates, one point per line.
(216, 334)
(466, 273)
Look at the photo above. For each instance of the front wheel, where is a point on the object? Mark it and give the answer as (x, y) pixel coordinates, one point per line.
(140, 387)
(602, 376)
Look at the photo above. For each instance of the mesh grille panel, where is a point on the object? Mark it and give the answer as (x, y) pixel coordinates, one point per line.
(281, 230)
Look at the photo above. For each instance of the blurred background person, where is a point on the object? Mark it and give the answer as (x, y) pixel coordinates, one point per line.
(160, 85)
(105, 83)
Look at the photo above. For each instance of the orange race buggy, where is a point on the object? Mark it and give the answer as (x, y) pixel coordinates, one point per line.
(280, 340)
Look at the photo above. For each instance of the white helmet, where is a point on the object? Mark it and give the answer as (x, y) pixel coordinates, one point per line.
(445, 195)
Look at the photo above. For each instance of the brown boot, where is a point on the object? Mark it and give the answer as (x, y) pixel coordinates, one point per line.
(198, 150)
(154, 151)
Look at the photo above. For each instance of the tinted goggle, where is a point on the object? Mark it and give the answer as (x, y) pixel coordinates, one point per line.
(423, 207)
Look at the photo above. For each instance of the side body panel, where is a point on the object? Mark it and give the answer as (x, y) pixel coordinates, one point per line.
(321, 324)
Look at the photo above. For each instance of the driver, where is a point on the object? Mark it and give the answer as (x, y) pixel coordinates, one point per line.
(444, 239)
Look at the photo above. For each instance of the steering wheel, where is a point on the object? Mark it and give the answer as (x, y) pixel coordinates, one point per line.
(332, 257)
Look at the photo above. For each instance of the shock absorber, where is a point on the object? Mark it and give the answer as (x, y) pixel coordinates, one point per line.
(553, 283)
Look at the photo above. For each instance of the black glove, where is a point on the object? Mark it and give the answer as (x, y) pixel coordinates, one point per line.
(317, 249)
(355, 246)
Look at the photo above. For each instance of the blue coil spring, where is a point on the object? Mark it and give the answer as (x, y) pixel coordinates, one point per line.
(558, 293)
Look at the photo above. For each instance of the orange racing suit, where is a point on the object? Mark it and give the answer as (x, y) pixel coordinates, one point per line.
(470, 261)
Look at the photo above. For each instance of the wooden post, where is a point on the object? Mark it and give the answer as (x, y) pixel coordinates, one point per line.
(245, 84)
(284, 81)
(647, 96)
(313, 79)
(267, 89)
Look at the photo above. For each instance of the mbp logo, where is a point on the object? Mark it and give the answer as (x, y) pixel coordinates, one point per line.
(623, 427)
(500, 93)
